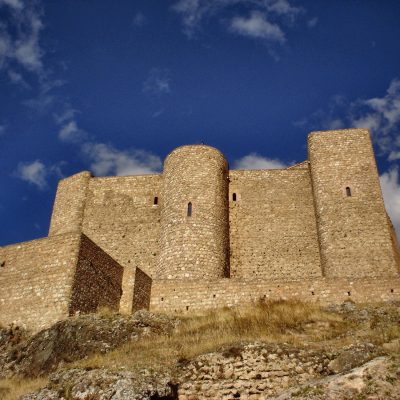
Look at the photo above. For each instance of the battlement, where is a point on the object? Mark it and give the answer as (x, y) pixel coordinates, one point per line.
(199, 235)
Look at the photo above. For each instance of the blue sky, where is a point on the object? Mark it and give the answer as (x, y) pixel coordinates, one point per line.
(113, 87)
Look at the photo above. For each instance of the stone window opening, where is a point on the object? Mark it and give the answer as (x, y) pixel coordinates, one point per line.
(348, 191)
(234, 197)
(391, 290)
(162, 298)
(2, 263)
(348, 293)
(155, 202)
(187, 308)
(313, 293)
(189, 209)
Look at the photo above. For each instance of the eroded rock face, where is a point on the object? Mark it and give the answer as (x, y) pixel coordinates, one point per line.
(253, 371)
(76, 338)
(376, 379)
(100, 384)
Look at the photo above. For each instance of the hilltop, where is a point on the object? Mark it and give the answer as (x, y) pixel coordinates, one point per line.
(271, 350)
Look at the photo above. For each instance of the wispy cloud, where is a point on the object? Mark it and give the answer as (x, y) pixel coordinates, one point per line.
(255, 161)
(16, 4)
(17, 79)
(19, 37)
(106, 160)
(379, 114)
(37, 173)
(2, 129)
(391, 192)
(264, 20)
(157, 83)
(71, 133)
(257, 26)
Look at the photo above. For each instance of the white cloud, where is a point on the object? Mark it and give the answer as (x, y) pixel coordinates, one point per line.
(66, 115)
(71, 133)
(282, 7)
(157, 83)
(139, 20)
(2, 129)
(257, 26)
(381, 115)
(106, 160)
(19, 38)
(35, 173)
(255, 161)
(391, 193)
(263, 19)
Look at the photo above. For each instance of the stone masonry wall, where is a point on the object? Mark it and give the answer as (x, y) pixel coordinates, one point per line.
(273, 233)
(353, 230)
(36, 280)
(121, 217)
(181, 297)
(69, 204)
(97, 281)
(194, 246)
(141, 291)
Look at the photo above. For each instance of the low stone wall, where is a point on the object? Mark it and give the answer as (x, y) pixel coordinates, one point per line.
(168, 296)
(36, 279)
(253, 372)
(97, 281)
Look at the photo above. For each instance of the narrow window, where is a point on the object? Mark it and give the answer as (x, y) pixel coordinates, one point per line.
(234, 197)
(189, 210)
(155, 201)
(348, 191)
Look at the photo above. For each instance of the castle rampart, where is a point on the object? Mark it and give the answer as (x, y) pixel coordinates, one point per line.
(45, 280)
(200, 235)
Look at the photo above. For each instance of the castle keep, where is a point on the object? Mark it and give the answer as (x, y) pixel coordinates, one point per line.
(200, 235)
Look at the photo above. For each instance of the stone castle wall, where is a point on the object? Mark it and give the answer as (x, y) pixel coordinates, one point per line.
(43, 281)
(200, 235)
(97, 280)
(194, 242)
(120, 216)
(36, 279)
(353, 228)
(69, 204)
(167, 296)
(273, 229)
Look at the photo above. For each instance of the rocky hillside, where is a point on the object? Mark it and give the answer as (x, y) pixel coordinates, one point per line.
(274, 350)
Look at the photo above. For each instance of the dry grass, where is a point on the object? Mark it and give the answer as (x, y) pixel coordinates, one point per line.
(275, 321)
(12, 389)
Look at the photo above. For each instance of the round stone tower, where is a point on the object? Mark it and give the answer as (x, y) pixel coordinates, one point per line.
(194, 241)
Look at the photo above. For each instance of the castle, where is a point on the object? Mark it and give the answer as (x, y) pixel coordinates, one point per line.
(200, 235)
